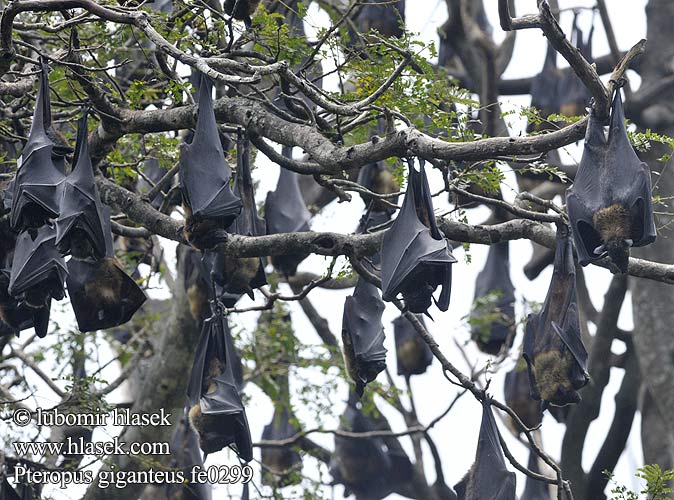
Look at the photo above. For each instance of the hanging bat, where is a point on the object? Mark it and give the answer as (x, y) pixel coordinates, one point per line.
(533, 489)
(185, 455)
(370, 468)
(101, 293)
(239, 275)
(38, 187)
(22, 491)
(363, 335)
(555, 355)
(16, 316)
(38, 272)
(280, 466)
(216, 411)
(387, 19)
(545, 90)
(416, 257)
(488, 478)
(574, 95)
(518, 397)
(208, 201)
(378, 178)
(493, 316)
(154, 172)
(286, 212)
(412, 353)
(79, 228)
(242, 10)
(609, 203)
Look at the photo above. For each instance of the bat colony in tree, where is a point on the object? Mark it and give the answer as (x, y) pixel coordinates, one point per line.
(54, 215)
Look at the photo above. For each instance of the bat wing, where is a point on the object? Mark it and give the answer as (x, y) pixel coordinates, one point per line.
(102, 294)
(409, 245)
(585, 197)
(36, 261)
(528, 348)
(204, 173)
(490, 477)
(280, 460)
(284, 208)
(81, 205)
(248, 223)
(233, 356)
(573, 342)
(544, 95)
(410, 345)
(630, 178)
(496, 274)
(7, 491)
(363, 312)
(39, 179)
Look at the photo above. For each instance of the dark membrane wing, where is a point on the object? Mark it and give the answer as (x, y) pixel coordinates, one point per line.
(217, 413)
(574, 95)
(493, 285)
(38, 264)
(363, 334)
(369, 220)
(533, 489)
(285, 212)
(102, 294)
(555, 373)
(249, 222)
(415, 262)
(363, 466)
(488, 478)
(79, 228)
(634, 186)
(609, 204)
(281, 465)
(15, 316)
(412, 354)
(39, 180)
(185, 455)
(517, 396)
(204, 173)
(7, 492)
(386, 18)
(544, 87)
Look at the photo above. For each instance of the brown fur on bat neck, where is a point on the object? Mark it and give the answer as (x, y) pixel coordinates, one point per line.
(107, 287)
(202, 234)
(240, 272)
(206, 424)
(614, 225)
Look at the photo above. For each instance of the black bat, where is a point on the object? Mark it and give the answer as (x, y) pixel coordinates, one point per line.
(412, 353)
(238, 275)
(534, 489)
(196, 280)
(363, 334)
(609, 203)
(38, 187)
(488, 478)
(371, 468)
(545, 89)
(286, 212)
(21, 492)
(154, 172)
(555, 355)
(79, 228)
(16, 316)
(387, 19)
(101, 293)
(280, 466)
(185, 455)
(517, 395)
(241, 10)
(37, 274)
(209, 203)
(574, 96)
(416, 257)
(493, 315)
(446, 51)
(216, 411)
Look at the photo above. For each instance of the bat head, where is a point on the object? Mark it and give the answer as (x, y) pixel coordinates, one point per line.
(619, 252)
